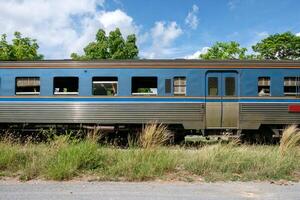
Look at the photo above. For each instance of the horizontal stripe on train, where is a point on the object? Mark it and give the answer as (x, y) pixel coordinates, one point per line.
(148, 100)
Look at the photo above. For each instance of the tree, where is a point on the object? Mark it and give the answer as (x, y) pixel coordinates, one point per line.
(112, 46)
(20, 49)
(5, 49)
(130, 46)
(284, 46)
(225, 51)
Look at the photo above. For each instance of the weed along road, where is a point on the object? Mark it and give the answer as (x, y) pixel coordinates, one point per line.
(36, 190)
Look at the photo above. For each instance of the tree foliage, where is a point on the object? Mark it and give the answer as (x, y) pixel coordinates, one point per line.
(284, 46)
(225, 51)
(112, 46)
(22, 48)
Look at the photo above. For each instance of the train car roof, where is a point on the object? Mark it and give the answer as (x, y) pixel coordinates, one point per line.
(148, 63)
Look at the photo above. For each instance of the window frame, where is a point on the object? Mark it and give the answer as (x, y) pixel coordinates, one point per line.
(180, 86)
(144, 93)
(218, 92)
(168, 86)
(234, 86)
(261, 86)
(297, 86)
(65, 93)
(117, 82)
(28, 93)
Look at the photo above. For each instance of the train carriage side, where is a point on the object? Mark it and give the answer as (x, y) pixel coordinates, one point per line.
(251, 97)
(269, 97)
(104, 96)
(198, 95)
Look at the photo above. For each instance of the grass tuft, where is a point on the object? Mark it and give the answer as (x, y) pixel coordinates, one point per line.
(154, 135)
(290, 139)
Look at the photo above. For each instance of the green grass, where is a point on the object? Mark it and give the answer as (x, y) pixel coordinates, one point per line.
(64, 159)
(226, 162)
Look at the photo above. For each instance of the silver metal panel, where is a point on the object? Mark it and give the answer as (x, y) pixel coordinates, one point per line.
(189, 114)
(230, 115)
(252, 115)
(213, 115)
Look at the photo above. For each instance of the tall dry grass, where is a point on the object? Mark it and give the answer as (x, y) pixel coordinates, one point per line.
(64, 158)
(154, 135)
(95, 134)
(290, 139)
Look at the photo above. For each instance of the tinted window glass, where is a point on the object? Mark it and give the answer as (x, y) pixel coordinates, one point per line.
(213, 86)
(229, 86)
(168, 86)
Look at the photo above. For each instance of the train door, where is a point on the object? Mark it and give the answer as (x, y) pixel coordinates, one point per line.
(222, 107)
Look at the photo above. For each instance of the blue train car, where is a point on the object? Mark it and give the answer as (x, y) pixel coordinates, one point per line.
(194, 94)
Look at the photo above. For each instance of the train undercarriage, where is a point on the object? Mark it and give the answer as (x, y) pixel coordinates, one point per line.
(265, 134)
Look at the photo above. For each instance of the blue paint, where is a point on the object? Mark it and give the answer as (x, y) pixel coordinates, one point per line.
(196, 84)
(101, 100)
(147, 100)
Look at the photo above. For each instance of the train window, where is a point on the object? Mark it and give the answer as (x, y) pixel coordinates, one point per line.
(264, 86)
(106, 86)
(229, 86)
(28, 85)
(168, 86)
(179, 86)
(291, 86)
(213, 86)
(144, 86)
(65, 85)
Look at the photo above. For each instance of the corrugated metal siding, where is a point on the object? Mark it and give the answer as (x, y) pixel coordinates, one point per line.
(184, 113)
(267, 113)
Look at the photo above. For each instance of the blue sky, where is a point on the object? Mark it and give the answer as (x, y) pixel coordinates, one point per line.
(165, 28)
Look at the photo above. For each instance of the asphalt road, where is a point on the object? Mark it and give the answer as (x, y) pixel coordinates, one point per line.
(37, 190)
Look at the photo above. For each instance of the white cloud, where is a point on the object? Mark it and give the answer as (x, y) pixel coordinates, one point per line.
(192, 20)
(197, 53)
(298, 34)
(163, 35)
(61, 27)
(111, 20)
